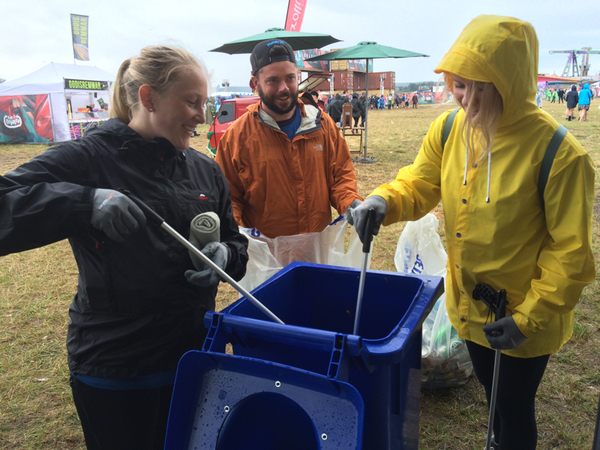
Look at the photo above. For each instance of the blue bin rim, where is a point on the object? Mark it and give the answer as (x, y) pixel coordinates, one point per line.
(386, 350)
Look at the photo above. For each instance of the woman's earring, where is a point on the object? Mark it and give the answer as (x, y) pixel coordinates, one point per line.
(151, 110)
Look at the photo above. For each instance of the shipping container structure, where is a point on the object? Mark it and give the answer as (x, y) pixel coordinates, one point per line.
(355, 81)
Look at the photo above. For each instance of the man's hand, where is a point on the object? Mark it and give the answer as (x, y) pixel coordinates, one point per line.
(219, 254)
(116, 214)
(504, 334)
(357, 215)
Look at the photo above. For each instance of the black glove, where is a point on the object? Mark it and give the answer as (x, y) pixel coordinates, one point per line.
(504, 334)
(219, 254)
(116, 214)
(357, 215)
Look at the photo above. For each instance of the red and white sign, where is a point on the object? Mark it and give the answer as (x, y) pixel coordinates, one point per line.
(295, 14)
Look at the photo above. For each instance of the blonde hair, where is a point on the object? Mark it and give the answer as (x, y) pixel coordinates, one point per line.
(156, 66)
(478, 131)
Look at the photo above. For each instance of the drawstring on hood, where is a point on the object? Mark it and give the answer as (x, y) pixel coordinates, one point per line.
(466, 164)
(485, 52)
(487, 198)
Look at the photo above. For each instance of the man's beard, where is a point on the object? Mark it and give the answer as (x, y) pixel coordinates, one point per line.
(269, 101)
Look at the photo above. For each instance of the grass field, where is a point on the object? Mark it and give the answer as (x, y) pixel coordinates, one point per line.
(36, 287)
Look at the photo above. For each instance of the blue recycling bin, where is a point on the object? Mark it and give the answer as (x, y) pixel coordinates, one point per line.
(311, 383)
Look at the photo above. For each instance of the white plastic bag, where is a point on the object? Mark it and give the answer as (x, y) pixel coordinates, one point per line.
(268, 256)
(445, 360)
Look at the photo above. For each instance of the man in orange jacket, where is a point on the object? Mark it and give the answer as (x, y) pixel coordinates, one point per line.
(286, 163)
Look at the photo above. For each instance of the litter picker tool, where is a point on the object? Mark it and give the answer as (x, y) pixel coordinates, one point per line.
(363, 271)
(153, 217)
(596, 444)
(496, 302)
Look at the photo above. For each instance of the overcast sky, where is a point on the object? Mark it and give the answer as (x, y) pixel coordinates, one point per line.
(36, 32)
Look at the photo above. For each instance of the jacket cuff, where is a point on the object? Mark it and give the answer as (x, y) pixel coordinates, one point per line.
(526, 326)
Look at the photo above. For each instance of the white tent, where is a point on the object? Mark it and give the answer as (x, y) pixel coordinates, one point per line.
(50, 80)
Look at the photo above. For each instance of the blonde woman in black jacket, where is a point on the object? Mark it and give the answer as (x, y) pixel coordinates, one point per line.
(134, 313)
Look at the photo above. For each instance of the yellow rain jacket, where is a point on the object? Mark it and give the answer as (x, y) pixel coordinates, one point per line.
(543, 259)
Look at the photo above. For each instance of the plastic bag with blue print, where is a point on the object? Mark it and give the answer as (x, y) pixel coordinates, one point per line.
(445, 361)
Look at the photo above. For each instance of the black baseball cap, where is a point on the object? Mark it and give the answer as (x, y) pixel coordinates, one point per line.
(270, 51)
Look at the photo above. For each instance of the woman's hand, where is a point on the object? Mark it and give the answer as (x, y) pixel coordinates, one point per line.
(357, 215)
(116, 214)
(217, 253)
(504, 334)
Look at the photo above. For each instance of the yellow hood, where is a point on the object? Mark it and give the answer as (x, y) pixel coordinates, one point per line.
(486, 51)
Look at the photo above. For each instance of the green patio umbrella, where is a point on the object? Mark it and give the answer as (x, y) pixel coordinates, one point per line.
(297, 40)
(366, 50)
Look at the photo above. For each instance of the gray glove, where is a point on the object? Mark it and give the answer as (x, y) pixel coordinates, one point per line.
(357, 215)
(504, 334)
(116, 214)
(219, 254)
(355, 204)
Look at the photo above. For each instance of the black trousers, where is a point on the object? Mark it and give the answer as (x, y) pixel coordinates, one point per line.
(514, 423)
(122, 420)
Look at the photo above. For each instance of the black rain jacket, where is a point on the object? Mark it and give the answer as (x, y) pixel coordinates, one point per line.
(572, 98)
(134, 312)
(335, 108)
(358, 106)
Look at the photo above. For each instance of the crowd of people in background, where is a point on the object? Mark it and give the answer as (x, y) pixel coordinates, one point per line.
(333, 104)
(575, 97)
(391, 101)
(375, 102)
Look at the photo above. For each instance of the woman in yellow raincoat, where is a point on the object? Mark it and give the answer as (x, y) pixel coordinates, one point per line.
(498, 230)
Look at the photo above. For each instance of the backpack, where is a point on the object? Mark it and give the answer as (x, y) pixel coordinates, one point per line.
(555, 142)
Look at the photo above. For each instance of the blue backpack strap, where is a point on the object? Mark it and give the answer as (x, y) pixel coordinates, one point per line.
(555, 142)
(448, 127)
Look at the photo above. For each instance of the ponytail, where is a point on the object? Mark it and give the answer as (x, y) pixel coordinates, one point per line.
(120, 108)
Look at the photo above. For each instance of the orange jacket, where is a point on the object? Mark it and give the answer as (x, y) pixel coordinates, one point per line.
(282, 187)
